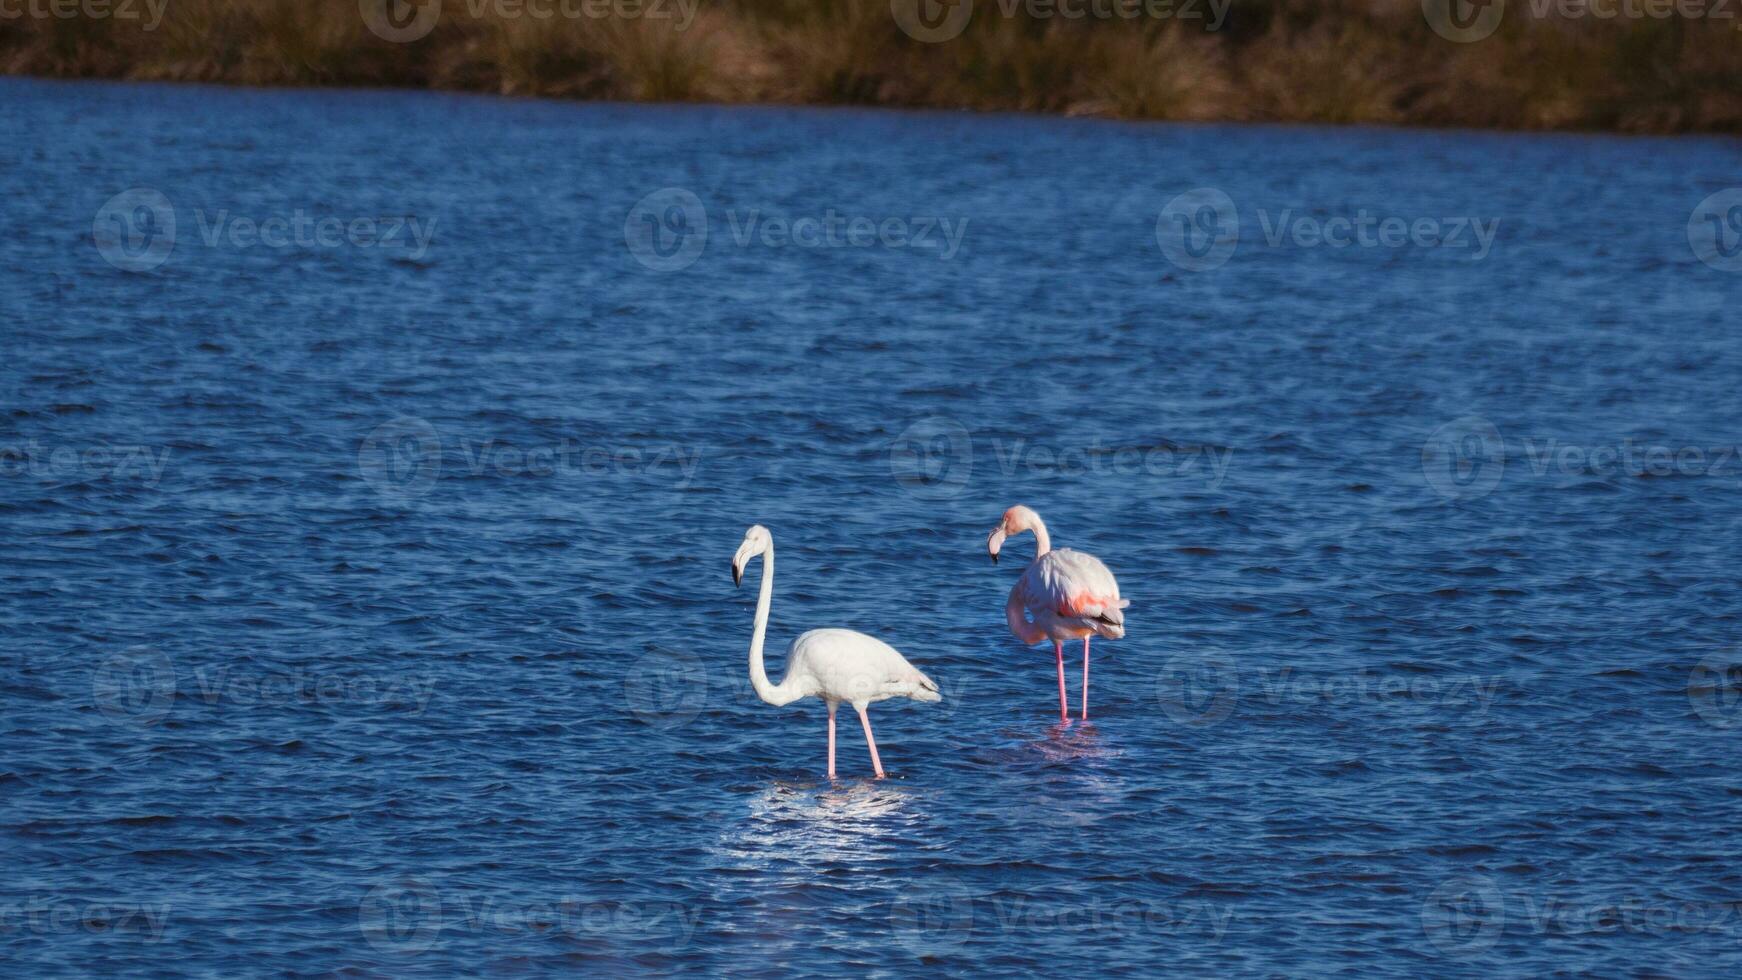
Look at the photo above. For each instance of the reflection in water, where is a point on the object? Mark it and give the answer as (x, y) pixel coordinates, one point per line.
(846, 823)
(1080, 783)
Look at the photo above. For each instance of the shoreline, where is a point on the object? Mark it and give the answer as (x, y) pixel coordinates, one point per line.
(1724, 136)
(1379, 63)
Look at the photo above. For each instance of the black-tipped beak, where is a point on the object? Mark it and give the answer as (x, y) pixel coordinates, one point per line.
(737, 575)
(994, 555)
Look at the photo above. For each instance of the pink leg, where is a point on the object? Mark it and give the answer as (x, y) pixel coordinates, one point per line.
(831, 740)
(876, 763)
(1085, 678)
(1058, 649)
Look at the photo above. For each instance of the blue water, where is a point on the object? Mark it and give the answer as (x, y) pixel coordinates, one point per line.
(366, 605)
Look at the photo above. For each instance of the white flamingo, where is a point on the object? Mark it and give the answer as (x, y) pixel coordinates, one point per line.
(1067, 593)
(835, 665)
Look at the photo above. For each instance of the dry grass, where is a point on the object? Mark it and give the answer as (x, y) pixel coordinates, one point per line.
(1333, 61)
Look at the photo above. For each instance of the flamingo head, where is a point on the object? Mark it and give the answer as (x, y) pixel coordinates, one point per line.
(1015, 521)
(757, 541)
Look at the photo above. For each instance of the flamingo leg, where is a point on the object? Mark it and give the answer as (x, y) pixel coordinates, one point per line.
(831, 740)
(1085, 678)
(865, 720)
(1058, 650)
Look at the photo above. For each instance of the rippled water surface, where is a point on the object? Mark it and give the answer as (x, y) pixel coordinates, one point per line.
(366, 605)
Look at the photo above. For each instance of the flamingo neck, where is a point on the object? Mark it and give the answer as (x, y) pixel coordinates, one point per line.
(772, 693)
(1014, 615)
(1042, 543)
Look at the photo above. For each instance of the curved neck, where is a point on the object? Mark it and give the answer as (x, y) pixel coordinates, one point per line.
(1024, 630)
(1042, 543)
(772, 693)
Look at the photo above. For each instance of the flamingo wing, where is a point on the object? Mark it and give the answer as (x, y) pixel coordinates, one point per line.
(846, 665)
(1074, 588)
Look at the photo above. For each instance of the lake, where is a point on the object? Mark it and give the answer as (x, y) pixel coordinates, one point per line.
(373, 460)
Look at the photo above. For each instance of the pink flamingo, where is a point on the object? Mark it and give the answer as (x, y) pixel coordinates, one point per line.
(832, 664)
(1062, 595)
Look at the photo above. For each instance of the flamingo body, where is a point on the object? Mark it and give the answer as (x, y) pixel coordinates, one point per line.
(1069, 595)
(846, 665)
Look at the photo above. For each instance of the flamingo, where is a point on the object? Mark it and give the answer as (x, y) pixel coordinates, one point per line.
(835, 665)
(1067, 593)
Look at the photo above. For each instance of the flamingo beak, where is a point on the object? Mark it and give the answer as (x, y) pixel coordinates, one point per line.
(737, 574)
(995, 541)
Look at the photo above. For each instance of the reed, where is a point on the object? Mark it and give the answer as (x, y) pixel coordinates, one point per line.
(1330, 61)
